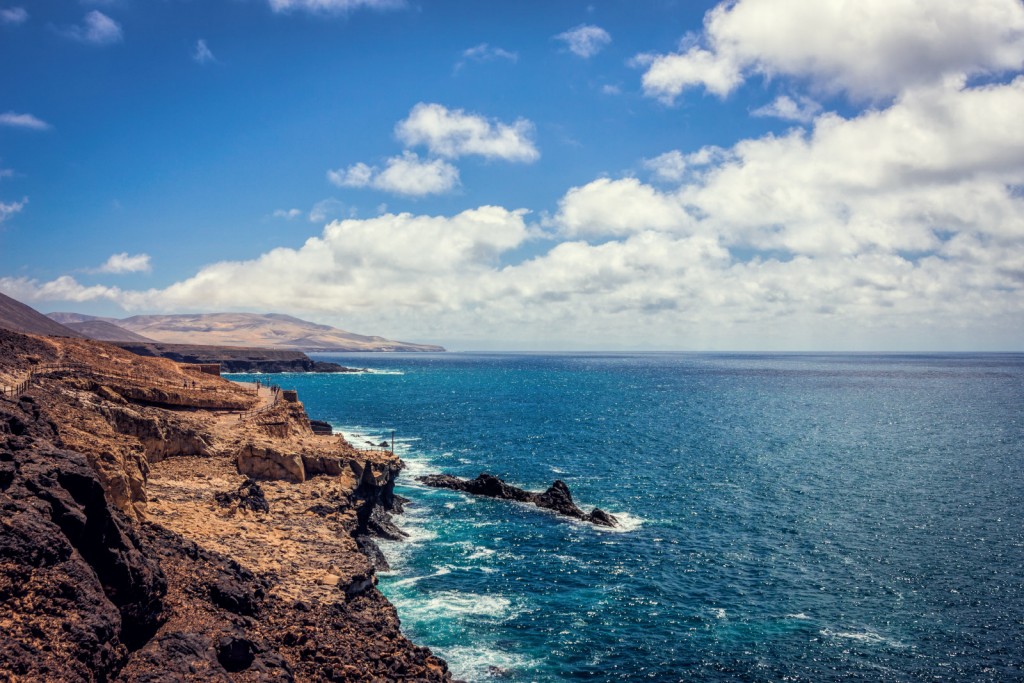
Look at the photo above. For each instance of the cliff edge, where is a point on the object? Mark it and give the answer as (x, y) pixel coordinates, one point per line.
(159, 524)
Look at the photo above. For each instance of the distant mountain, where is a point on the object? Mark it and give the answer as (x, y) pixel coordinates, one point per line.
(106, 331)
(67, 318)
(16, 316)
(269, 331)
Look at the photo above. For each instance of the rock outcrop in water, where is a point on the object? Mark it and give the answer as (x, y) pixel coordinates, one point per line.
(556, 498)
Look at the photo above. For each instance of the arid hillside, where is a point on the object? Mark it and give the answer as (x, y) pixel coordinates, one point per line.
(16, 316)
(272, 331)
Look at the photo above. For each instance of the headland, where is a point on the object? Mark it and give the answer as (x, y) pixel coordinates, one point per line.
(164, 523)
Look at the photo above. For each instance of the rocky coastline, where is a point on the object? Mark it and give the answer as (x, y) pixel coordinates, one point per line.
(235, 358)
(150, 530)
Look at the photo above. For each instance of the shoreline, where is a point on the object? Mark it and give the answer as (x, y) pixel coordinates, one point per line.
(288, 590)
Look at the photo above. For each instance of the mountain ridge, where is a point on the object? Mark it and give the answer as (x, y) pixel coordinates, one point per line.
(269, 330)
(19, 317)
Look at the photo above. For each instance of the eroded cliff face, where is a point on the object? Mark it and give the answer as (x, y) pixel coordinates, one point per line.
(78, 590)
(134, 545)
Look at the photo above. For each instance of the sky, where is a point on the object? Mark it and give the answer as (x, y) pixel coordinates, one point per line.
(801, 175)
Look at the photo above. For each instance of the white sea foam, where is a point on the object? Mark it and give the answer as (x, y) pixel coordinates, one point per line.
(799, 615)
(481, 662)
(416, 579)
(415, 466)
(866, 636)
(480, 553)
(458, 605)
(380, 371)
(417, 534)
(627, 522)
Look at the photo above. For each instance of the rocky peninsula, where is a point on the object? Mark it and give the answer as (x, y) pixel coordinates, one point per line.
(236, 358)
(163, 524)
(557, 498)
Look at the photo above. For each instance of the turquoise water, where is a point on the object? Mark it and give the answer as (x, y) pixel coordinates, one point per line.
(786, 517)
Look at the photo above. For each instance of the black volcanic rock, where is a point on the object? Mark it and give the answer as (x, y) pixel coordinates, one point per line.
(69, 563)
(321, 427)
(248, 495)
(556, 498)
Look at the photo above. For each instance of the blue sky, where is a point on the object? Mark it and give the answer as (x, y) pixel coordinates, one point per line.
(761, 174)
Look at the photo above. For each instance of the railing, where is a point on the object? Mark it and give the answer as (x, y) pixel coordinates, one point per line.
(17, 390)
(275, 392)
(371, 446)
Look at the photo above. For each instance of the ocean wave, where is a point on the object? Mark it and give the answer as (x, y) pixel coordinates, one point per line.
(867, 636)
(412, 580)
(457, 605)
(380, 371)
(482, 661)
(627, 522)
(480, 553)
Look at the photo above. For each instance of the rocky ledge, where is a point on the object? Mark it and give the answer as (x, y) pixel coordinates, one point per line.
(556, 498)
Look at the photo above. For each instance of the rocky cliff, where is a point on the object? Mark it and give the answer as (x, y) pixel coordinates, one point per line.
(133, 548)
(234, 358)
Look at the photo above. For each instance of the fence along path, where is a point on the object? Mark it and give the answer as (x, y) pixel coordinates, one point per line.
(275, 398)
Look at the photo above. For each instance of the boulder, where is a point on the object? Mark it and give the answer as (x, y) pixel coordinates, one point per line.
(265, 462)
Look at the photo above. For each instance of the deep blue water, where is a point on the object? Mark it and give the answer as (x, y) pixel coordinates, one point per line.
(788, 517)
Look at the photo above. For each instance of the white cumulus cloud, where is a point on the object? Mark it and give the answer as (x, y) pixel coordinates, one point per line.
(607, 207)
(866, 49)
(454, 133)
(668, 167)
(125, 263)
(802, 109)
(585, 40)
(406, 174)
(15, 120)
(63, 288)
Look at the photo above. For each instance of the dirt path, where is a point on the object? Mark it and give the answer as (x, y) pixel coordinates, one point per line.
(266, 396)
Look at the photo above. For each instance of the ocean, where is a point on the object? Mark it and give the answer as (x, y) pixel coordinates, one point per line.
(784, 517)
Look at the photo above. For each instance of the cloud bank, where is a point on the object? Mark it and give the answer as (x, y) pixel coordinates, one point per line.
(906, 43)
